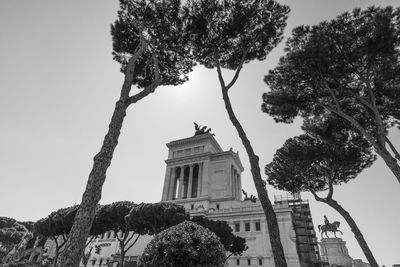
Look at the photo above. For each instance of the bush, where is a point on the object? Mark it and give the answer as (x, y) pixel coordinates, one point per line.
(183, 245)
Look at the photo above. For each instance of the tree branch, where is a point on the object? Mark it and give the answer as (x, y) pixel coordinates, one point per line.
(394, 150)
(330, 192)
(354, 123)
(378, 119)
(332, 93)
(150, 88)
(117, 235)
(90, 240)
(134, 242)
(317, 198)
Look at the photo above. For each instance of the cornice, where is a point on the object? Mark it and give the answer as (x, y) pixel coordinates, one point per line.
(189, 159)
(194, 139)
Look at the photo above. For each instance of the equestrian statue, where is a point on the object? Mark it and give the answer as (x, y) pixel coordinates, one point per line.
(329, 227)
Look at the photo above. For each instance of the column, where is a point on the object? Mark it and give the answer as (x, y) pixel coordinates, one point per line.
(239, 186)
(166, 184)
(181, 182)
(171, 193)
(200, 179)
(189, 194)
(233, 183)
(205, 178)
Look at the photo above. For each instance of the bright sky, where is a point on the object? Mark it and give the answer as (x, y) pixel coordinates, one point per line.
(58, 86)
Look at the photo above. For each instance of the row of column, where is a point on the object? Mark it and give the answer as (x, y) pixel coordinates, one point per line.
(236, 184)
(185, 181)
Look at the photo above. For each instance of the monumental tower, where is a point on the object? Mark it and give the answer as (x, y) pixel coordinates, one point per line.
(200, 175)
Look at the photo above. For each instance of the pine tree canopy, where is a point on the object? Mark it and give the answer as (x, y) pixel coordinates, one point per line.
(305, 163)
(349, 65)
(163, 30)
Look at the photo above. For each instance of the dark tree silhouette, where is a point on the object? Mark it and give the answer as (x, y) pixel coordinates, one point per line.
(112, 218)
(346, 68)
(185, 244)
(228, 34)
(308, 164)
(233, 244)
(57, 227)
(149, 43)
(152, 218)
(12, 234)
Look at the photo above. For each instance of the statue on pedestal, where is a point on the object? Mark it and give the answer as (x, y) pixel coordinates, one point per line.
(329, 227)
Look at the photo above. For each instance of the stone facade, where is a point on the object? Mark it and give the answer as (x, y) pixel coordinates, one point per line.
(207, 181)
(334, 252)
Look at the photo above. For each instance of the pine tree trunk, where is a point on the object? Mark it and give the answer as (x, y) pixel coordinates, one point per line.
(272, 223)
(92, 195)
(121, 260)
(84, 217)
(354, 228)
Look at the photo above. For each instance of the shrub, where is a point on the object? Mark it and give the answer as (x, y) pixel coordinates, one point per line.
(183, 245)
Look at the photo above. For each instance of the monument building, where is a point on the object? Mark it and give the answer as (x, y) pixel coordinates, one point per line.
(206, 180)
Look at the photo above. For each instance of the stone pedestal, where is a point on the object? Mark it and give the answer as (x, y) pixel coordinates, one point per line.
(334, 251)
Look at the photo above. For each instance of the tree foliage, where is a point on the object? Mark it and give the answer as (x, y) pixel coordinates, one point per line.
(111, 217)
(57, 226)
(152, 218)
(346, 70)
(14, 235)
(185, 244)
(223, 32)
(233, 244)
(163, 30)
(307, 163)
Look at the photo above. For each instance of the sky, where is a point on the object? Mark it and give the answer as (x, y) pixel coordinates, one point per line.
(58, 87)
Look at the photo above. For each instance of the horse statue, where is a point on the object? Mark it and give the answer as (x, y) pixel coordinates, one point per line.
(329, 227)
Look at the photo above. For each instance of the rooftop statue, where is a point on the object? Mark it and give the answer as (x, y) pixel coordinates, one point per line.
(201, 130)
(329, 227)
(252, 198)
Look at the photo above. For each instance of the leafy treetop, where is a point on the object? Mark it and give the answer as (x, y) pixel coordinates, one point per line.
(346, 66)
(149, 218)
(229, 30)
(305, 163)
(157, 27)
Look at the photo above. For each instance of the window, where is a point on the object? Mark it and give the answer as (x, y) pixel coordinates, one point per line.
(258, 226)
(191, 206)
(196, 149)
(237, 227)
(248, 261)
(108, 234)
(237, 262)
(217, 206)
(260, 262)
(247, 226)
(187, 151)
